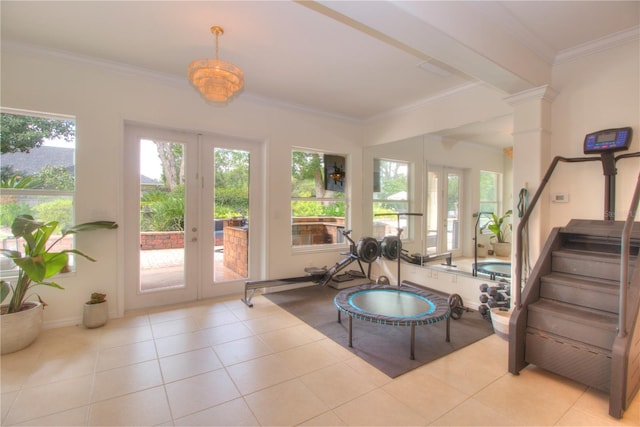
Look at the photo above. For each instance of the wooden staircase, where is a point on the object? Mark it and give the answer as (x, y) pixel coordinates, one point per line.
(568, 318)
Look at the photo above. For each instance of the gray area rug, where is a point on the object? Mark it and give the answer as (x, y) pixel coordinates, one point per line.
(385, 347)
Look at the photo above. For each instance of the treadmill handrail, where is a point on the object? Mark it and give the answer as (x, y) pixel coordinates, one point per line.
(625, 243)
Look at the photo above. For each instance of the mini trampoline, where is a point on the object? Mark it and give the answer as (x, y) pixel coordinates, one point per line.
(392, 305)
(494, 269)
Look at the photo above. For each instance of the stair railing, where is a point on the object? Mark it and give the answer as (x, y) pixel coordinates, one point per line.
(624, 260)
(517, 297)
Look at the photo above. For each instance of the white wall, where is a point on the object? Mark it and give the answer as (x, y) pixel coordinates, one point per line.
(597, 92)
(102, 99)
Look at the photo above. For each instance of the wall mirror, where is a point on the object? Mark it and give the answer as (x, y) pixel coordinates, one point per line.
(445, 177)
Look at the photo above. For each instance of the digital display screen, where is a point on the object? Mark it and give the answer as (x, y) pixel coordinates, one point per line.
(607, 140)
(606, 137)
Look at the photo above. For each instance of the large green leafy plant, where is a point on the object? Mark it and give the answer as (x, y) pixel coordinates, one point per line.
(39, 261)
(498, 225)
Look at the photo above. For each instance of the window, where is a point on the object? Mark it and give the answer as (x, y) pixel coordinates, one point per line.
(37, 174)
(444, 203)
(317, 198)
(390, 197)
(490, 193)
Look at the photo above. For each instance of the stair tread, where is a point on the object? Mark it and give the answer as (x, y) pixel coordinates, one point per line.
(600, 228)
(597, 318)
(589, 254)
(582, 282)
(566, 340)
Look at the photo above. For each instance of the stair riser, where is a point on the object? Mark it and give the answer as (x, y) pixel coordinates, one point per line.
(583, 297)
(587, 267)
(573, 328)
(578, 364)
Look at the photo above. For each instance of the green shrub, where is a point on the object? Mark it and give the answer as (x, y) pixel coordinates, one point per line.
(10, 210)
(163, 211)
(60, 210)
(230, 202)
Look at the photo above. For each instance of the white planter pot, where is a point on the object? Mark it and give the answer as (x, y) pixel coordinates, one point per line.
(20, 329)
(500, 320)
(482, 252)
(502, 249)
(95, 315)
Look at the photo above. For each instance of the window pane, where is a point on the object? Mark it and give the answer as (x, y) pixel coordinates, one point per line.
(43, 208)
(231, 215)
(317, 198)
(37, 153)
(433, 211)
(37, 176)
(162, 195)
(317, 222)
(393, 180)
(391, 196)
(490, 194)
(489, 191)
(385, 223)
(453, 214)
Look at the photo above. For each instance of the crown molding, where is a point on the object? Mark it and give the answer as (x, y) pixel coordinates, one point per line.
(117, 67)
(598, 45)
(417, 105)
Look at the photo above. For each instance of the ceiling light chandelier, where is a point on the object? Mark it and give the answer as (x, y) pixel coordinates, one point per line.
(217, 81)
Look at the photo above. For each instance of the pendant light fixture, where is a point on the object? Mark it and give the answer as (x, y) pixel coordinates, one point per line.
(217, 81)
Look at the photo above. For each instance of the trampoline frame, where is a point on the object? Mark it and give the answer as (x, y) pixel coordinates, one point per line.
(441, 310)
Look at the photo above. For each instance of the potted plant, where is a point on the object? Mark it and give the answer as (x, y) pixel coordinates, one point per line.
(498, 227)
(21, 319)
(96, 311)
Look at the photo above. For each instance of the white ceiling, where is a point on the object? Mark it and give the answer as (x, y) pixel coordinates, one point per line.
(357, 60)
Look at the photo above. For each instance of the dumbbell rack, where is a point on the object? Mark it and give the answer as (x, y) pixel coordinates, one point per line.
(498, 295)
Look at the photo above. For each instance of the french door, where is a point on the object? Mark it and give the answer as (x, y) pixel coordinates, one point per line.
(444, 198)
(188, 205)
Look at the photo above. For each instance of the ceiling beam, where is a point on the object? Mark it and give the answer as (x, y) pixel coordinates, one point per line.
(450, 33)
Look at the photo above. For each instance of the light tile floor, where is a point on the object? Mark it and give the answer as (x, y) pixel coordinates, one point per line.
(219, 362)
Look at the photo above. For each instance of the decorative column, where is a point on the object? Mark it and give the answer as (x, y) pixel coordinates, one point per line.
(531, 157)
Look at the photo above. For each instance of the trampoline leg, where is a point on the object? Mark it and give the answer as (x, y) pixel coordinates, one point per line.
(413, 341)
(350, 331)
(339, 319)
(448, 328)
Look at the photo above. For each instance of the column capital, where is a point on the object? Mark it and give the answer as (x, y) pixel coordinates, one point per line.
(546, 93)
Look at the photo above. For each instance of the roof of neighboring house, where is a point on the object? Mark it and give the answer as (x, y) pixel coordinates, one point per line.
(33, 161)
(145, 180)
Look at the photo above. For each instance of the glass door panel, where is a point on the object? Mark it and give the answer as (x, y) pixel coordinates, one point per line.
(433, 202)
(443, 210)
(161, 217)
(231, 215)
(453, 210)
(162, 220)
